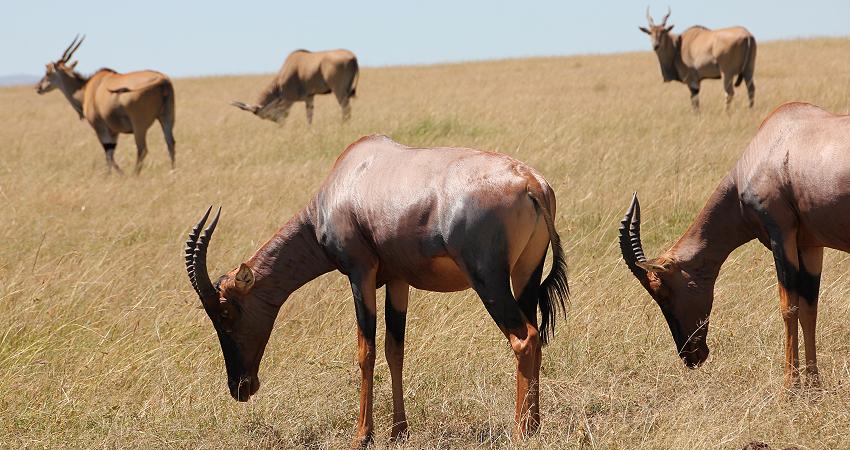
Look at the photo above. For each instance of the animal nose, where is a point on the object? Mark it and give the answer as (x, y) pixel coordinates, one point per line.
(695, 357)
(243, 389)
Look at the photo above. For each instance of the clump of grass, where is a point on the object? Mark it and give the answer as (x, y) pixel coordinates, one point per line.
(435, 128)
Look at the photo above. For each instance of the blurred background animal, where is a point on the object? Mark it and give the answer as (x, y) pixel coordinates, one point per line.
(699, 53)
(114, 103)
(304, 75)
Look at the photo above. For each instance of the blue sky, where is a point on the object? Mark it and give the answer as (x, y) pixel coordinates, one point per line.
(190, 38)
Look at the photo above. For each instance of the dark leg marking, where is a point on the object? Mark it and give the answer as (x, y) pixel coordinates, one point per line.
(366, 320)
(808, 285)
(396, 321)
(109, 146)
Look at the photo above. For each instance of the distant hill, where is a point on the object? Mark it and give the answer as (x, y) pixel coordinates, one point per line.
(17, 80)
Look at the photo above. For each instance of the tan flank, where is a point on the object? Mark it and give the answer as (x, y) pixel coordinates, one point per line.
(114, 103)
(699, 53)
(304, 75)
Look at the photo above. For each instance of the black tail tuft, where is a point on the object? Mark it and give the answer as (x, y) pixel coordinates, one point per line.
(554, 291)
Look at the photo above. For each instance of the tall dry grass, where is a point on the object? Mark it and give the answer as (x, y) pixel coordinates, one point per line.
(101, 343)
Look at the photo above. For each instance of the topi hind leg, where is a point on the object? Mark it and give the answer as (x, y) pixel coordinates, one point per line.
(493, 286)
(395, 313)
(808, 287)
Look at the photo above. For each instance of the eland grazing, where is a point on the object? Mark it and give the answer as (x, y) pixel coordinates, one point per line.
(699, 53)
(304, 75)
(437, 219)
(114, 103)
(791, 191)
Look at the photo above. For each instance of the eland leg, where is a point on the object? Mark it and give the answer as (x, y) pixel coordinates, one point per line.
(694, 88)
(109, 142)
(729, 88)
(308, 102)
(395, 313)
(167, 131)
(345, 104)
(751, 90)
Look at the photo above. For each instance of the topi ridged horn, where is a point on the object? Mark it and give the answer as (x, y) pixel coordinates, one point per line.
(196, 257)
(649, 17)
(630, 245)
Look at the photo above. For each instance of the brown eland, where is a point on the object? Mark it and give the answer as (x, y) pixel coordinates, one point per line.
(699, 53)
(304, 75)
(114, 103)
(791, 191)
(437, 219)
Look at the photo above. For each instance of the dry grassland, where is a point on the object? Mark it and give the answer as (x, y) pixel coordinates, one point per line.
(101, 343)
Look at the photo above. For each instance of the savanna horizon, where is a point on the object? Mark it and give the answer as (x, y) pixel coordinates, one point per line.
(104, 344)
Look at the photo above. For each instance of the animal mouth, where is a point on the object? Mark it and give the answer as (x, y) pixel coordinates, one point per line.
(694, 357)
(246, 387)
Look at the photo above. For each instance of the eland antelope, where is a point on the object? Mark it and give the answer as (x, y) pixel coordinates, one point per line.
(304, 75)
(699, 53)
(114, 103)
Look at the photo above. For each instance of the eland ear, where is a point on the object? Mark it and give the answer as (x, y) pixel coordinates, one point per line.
(244, 279)
(652, 267)
(644, 30)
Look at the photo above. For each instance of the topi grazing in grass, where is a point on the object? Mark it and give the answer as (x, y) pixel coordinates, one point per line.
(699, 53)
(114, 103)
(304, 75)
(437, 219)
(791, 191)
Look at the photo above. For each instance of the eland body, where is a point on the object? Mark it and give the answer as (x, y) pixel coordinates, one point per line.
(699, 53)
(305, 74)
(114, 103)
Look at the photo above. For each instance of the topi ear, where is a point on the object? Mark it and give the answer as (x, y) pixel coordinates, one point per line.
(652, 267)
(644, 30)
(73, 65)
(669, 28)
(244, 279)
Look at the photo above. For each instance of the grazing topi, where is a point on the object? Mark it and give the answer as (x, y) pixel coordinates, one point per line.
(791, 191)
(437, 219)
